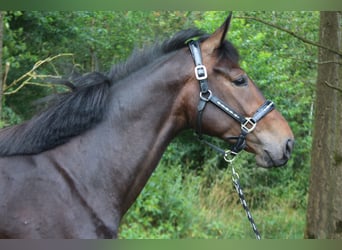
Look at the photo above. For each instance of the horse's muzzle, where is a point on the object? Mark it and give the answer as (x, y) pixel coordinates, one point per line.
(270, 159)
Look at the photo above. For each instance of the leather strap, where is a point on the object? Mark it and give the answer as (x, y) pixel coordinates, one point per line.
(200, 70)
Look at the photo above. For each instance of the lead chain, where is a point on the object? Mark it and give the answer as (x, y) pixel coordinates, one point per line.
(236, 182)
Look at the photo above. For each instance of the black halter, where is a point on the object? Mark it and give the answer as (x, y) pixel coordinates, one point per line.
(248, 124)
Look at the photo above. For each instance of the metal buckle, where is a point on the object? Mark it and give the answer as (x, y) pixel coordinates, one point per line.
(201, 72)
(249, 125)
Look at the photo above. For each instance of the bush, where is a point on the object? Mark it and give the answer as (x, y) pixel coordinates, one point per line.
(9, 117)
(202, 203)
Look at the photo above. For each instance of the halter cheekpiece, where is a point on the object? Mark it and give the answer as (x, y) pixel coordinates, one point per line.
(248, 124)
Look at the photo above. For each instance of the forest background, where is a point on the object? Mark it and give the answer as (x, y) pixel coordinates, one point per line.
(190, 195)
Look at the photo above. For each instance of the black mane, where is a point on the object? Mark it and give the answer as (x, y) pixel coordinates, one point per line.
(70, 115)
(85, 106)
(140, 59)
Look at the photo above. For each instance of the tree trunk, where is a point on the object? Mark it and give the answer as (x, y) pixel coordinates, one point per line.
(1, 77)
(324, 213)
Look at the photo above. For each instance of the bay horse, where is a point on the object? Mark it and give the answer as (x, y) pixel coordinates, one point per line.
(73, 170)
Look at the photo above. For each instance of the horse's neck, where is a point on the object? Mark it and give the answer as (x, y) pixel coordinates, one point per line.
(144, 124)
(126, 147)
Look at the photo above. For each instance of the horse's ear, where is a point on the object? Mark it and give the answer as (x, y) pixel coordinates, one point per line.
(217, 38)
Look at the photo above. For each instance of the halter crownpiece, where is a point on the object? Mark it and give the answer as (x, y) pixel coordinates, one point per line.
(248, 124)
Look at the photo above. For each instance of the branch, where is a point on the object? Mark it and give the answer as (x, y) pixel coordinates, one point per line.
(6, 74)
(27, 82)
(292, 34)
(327, 62)
(309, 61)
(332, 86)
(27, 77)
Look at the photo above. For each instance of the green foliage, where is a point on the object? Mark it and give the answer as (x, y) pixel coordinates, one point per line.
(176, 205)
(97, 39)
(31, 36)
(9, 118)
(160, 214)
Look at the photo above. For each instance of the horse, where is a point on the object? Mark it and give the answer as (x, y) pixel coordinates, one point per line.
(74, 169)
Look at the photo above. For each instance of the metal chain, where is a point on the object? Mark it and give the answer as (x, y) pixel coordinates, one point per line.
(238, 188)
(229, 157)
(236, 182)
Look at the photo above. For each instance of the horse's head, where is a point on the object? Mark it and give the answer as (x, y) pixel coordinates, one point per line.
(231, 107)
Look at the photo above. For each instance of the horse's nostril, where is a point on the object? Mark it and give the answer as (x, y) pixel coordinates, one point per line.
(289, 147)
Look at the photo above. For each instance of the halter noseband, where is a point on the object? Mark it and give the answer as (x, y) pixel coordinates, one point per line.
(248, 124)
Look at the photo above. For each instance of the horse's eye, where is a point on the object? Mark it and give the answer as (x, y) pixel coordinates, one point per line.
(241, 81)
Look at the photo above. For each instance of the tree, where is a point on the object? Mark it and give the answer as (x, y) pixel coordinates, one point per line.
(324, 213)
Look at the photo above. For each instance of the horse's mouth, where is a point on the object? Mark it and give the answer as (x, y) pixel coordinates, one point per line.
(267, 161)
(267, 156)
(264, 159)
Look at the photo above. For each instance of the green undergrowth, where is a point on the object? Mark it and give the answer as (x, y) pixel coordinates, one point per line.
(178, 203)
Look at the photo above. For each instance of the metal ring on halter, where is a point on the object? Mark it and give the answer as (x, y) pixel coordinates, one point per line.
(229, 156)
(206, 99)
